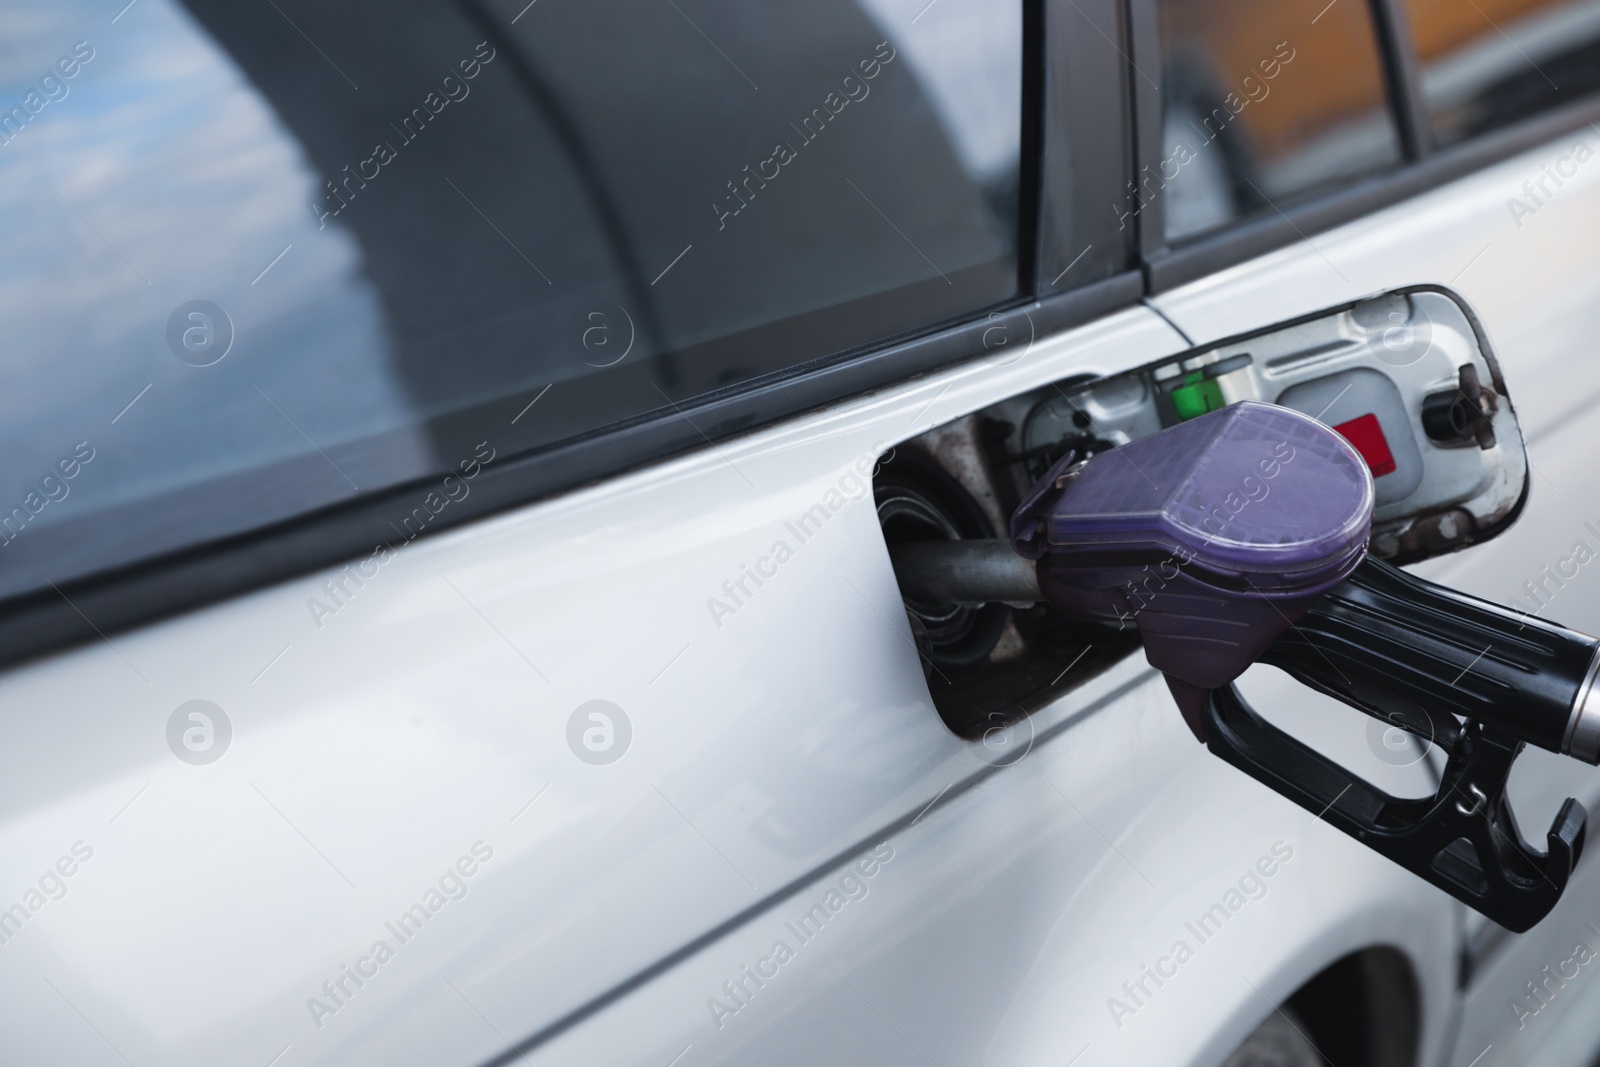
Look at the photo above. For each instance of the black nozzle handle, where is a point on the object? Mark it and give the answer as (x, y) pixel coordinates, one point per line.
(1415, 654)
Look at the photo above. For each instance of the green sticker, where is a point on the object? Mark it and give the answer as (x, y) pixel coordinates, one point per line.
(1197, 397)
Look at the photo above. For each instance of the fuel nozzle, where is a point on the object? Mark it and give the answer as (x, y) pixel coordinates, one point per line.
(1241, 536)
(1213, 537)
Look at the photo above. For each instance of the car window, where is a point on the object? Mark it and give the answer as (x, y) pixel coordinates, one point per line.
(1490, 63)
(263, 258)
(1265, 102)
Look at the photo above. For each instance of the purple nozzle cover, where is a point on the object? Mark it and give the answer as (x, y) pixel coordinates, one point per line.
(1262, 499)
(1213, 536)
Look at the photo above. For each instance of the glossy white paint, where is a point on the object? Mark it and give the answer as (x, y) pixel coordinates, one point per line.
(1009, 918)
(430, 713)
(371, 753)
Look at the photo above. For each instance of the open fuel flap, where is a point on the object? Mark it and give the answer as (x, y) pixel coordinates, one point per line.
(1247, 502)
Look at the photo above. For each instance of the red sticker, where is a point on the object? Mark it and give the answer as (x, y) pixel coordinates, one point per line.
(1367, 437)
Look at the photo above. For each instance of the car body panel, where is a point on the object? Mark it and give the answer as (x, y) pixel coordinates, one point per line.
(372, 751)
(1008, 919)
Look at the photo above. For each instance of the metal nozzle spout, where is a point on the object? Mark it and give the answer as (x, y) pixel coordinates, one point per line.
(1583, 729)
(964, 572)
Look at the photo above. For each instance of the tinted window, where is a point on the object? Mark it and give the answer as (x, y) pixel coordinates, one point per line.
(264, 257)
(1492, 62)
(1265, 101)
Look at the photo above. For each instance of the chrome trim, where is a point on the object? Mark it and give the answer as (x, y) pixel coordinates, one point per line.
(1582, 740)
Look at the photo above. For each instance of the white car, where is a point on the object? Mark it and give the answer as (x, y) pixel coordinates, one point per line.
(452, 454)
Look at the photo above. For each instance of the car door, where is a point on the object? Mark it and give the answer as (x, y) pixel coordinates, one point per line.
(439, 598)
